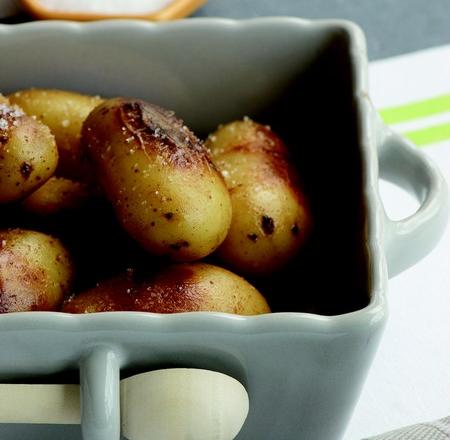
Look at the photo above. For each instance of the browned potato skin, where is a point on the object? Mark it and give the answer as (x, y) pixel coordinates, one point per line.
(64, 113)
(35, 271)
(271, 217)
(166, 192)
(56, 195)
(190, 287)
(28, 154)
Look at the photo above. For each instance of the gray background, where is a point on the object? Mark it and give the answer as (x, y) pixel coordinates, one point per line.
(391, 26)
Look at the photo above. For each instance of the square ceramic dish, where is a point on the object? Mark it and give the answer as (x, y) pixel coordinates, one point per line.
(304, 365)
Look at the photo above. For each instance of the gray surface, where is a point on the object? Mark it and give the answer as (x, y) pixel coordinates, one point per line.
(391, 26)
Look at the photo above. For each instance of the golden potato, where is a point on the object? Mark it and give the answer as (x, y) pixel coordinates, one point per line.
(271, 217)
(56, 195)
(4, 100)
(166, 192)
(35, 271)
(28, 154)
(189, 287)
(63, 112)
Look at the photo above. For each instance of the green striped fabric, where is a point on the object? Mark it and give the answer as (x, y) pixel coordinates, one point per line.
(429, 135)
(416, 111)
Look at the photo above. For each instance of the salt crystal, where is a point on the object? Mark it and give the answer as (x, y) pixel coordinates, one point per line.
(65, 123)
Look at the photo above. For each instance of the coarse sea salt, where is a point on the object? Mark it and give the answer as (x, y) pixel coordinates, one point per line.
(125, 7)
(8, 116)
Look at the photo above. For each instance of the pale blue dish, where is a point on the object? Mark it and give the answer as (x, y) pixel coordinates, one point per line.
(303, 371)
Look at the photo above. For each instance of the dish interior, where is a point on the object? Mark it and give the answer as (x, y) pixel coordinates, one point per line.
(299, 80)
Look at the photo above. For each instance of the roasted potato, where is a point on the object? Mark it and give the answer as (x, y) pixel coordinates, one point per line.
(35, 271)
(179, 288)
(271, 217)
(56, 195)
(28, 153)
(63, 112)
(166, 192)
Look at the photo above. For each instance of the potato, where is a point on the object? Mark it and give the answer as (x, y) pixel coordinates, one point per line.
(28, 154)
(271, 217)
(35, 271)
(56, 195)
(188, 287)
(63, 112)
(4, 100)
(166, 192)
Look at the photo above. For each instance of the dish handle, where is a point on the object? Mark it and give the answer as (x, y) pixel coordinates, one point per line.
(409, 240)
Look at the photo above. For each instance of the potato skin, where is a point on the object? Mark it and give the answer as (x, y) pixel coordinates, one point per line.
(35, 271)
(64, 113)
(271, 216)
(188, 287)
(28, 154)
(56, 195)
(166, 192)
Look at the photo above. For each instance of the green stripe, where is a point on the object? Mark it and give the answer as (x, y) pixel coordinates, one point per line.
(416, 110)
(429, 135)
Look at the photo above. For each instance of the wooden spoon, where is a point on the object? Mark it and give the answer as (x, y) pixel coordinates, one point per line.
(165, 405)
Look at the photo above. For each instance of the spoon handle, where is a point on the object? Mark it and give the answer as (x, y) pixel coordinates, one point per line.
(52, 404)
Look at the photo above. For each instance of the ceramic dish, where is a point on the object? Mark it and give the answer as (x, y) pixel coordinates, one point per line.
(303, 366)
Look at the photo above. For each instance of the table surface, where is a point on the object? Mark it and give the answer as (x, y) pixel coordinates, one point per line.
(392, 27)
